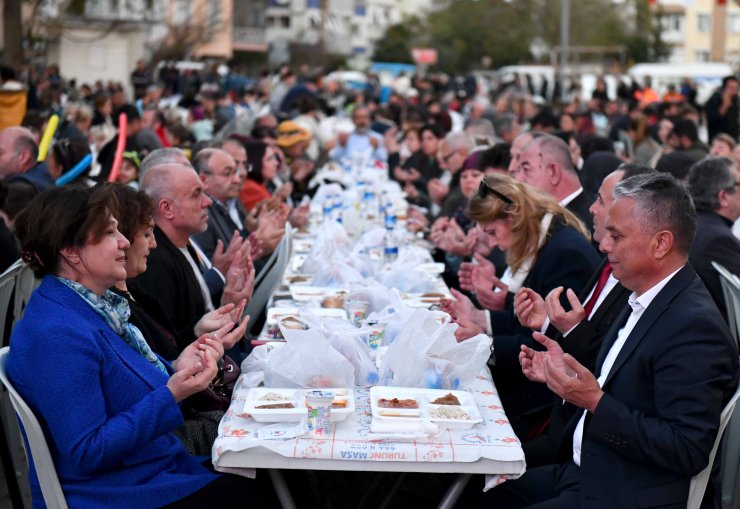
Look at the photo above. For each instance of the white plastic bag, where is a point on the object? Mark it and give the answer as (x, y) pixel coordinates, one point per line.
(307, 360)
(332, 245)
(426, 354)
(395, 315)
(336, 275)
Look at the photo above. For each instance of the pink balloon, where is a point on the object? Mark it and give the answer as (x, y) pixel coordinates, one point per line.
(120, 147)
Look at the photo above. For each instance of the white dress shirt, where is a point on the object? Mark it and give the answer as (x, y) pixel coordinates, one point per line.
(638, 305)
(572, 196)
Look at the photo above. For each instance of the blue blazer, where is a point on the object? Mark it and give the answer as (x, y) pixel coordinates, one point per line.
(105, 410)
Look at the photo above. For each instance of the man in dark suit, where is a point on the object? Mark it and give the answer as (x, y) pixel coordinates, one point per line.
(666, 368)
(218, 171)
(714, 187)
(175, 269)
(546, 164)
(579, 330)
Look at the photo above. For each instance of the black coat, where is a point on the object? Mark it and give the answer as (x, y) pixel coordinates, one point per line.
(566, 259)
(169, 278)
(714, 242)
(655, 425)
(583, 343)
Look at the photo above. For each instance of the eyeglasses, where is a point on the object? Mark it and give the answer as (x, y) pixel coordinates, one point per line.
(227, 174)
(447, 158)
(484, 190)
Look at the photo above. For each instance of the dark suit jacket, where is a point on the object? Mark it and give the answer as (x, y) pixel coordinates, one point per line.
(580, 205)
(169, 278)
(220, 227)
(583, 343)
(714, 242)
(566, 259)
(656, 423)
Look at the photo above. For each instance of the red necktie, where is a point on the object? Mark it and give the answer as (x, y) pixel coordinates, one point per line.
(605, 273)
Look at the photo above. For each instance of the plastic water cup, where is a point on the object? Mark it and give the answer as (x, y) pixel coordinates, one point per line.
(319, 412)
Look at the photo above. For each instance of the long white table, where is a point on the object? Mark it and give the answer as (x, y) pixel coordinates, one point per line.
(489, 448)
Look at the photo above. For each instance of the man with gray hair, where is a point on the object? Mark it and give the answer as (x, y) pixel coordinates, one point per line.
(445, 191)
(649, 413)
(546, 164)
(713, 183)
(175, 274)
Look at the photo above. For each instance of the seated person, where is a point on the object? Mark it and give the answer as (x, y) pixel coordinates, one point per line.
(546, 246)
(107, 403)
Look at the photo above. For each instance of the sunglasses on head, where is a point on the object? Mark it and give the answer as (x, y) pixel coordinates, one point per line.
(484, 190)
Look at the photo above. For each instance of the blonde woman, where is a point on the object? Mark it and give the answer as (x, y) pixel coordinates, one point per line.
(546, 247)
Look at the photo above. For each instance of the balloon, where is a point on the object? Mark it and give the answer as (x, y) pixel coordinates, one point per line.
(75, 171)
(51, 128)
(120, 147)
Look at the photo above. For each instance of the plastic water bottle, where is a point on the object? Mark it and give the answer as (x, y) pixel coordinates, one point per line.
(370, 205)
(337, 208)
(327, 207)
(390, 214)
(390, 247)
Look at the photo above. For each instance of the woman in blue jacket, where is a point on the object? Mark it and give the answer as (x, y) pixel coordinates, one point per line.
(106, 402)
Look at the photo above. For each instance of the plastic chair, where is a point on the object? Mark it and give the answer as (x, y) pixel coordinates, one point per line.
(699, 482)
(731, 291)
(50, 486)
(7, 285)
(273, 276)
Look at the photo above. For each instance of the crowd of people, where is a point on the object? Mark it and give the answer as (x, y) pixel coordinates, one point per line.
(578, 235)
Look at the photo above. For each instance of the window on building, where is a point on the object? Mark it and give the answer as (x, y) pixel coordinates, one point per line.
(701, 56)
(704, 23)
(270, 22)
(733, 23)
(285, 21)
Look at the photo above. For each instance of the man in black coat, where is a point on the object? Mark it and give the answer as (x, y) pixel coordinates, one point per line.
(723, 108)
(546, 164)
(579, 330)
(713, 183)
(666, 368)
(175, 272)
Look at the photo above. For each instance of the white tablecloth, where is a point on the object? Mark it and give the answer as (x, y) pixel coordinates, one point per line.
(490, 447)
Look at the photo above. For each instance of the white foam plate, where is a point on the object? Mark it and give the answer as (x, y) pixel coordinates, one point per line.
(298, 399)
(426, 409)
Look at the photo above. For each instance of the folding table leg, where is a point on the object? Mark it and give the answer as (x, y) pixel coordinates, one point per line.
(454, 491)
(281, 488)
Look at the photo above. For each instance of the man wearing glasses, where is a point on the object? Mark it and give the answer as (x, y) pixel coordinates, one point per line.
(713, 183)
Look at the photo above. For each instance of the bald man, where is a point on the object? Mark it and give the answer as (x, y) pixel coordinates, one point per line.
(18, 165)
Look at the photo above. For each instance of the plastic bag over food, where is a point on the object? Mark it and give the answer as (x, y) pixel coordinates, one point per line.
(336, 275)
(426, 354)
(348, 340)
(332, 245)
(307, 360)
(394, 315)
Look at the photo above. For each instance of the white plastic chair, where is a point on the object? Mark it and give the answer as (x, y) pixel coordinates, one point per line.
(699, 482)
(731, 292)
(50, 486)
(7, 285)
(273, 276)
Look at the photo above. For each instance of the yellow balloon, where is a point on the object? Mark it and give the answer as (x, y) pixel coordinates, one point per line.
(51, 128)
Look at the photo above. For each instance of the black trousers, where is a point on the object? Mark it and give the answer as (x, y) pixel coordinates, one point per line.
(547, 487)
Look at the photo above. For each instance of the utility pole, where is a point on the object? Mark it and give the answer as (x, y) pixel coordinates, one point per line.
(324, 9)
(564, 44)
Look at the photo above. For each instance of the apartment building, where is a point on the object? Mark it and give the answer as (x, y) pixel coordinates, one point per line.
(701, 30)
